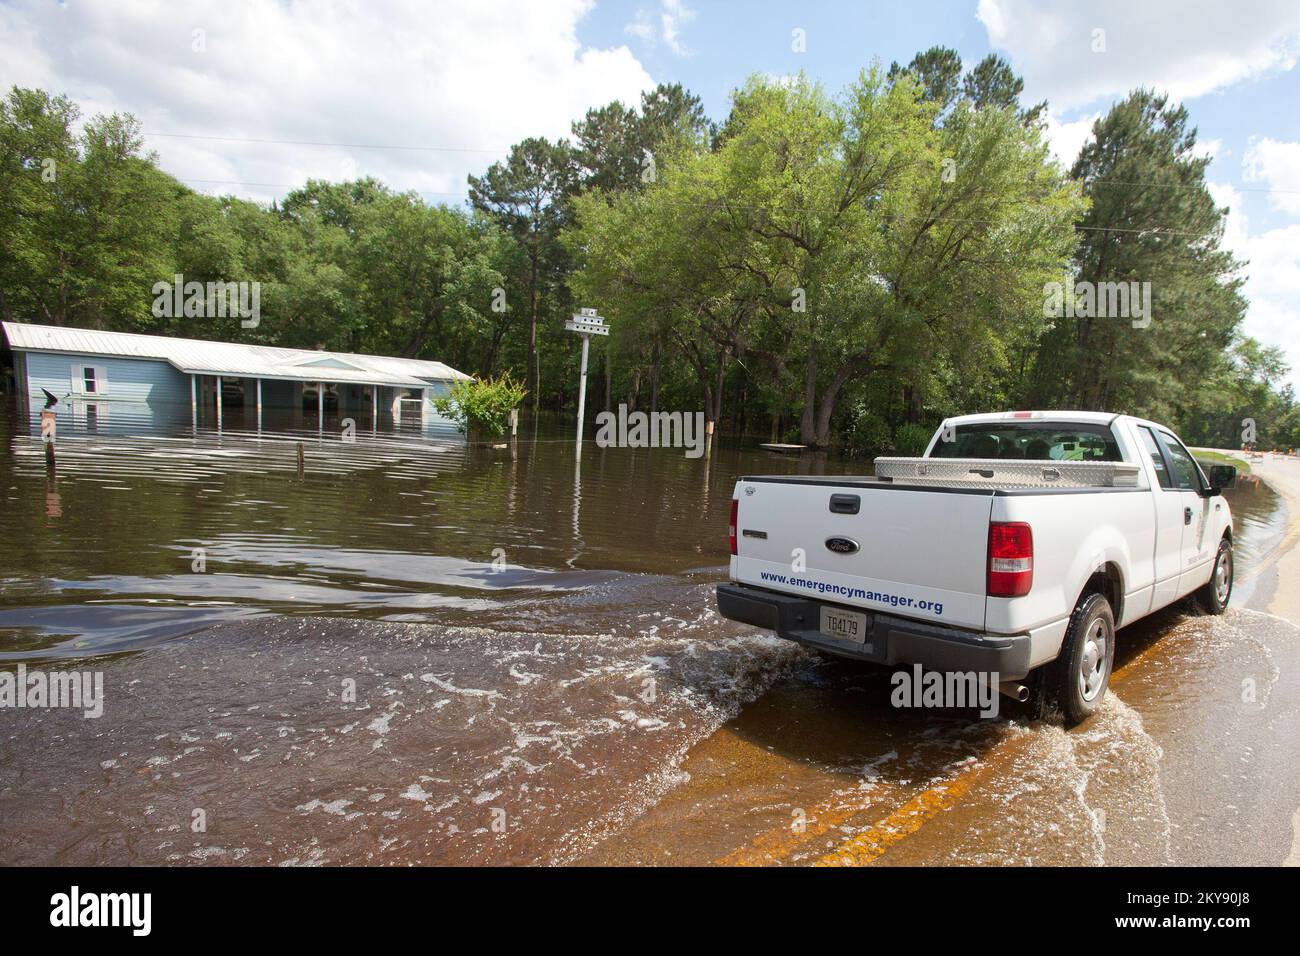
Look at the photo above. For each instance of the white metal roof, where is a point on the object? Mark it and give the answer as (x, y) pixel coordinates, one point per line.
(202, 357)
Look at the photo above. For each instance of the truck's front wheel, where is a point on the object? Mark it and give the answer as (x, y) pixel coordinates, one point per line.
(1075, 683)
(1214, 595)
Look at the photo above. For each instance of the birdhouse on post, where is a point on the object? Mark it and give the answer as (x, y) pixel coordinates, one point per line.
(586, 323)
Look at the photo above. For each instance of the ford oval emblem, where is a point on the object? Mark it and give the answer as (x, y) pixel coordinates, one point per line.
(842, 545)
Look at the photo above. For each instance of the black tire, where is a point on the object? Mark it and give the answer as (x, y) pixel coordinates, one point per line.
(1214, 594)
(1061, 685)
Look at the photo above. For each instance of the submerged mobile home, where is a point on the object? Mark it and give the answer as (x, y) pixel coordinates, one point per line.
(119, 370)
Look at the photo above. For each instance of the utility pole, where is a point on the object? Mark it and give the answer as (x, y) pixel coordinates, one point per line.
(586, 323)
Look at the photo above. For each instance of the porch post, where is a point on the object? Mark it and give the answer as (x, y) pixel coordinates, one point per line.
(220, 402)
(194, 404)
(259, 404)
(374, 409)
(320, 407)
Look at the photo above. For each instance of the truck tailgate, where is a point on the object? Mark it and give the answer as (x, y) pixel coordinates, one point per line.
(919, 552)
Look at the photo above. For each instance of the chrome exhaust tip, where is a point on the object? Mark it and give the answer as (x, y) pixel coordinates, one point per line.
(1014, 689)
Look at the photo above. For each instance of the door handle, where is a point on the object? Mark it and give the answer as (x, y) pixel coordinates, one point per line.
(1187, 516)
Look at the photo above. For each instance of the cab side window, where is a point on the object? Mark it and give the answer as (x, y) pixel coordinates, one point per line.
(1186, 474)
(1157, 459)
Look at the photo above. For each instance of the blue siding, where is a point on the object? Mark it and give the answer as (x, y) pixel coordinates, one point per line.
(129, 380)
(436, 424)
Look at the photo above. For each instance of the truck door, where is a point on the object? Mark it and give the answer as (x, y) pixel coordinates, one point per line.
(1170, 518)
(1196, 513)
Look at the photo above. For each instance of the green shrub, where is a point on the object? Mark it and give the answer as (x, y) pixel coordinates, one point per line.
(910, 440)
(481, 406)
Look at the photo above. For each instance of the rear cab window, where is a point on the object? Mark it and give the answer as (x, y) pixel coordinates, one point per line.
(1030, 441)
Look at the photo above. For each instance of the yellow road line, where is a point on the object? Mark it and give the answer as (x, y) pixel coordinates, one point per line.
(775, 845)
(778, 844)
(869, 845)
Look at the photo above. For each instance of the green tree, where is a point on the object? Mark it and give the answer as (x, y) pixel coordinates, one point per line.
(1151, 220)
(83, 244)
(527, 196)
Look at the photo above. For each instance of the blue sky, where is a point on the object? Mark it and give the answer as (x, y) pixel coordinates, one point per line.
(715, 48)
(253, 98)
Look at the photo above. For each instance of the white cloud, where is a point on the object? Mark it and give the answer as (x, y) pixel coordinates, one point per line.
(1273, 270)
(468, 76)
(1277, 165)
(1186, 48)
(642, 27)
(1211, 149)
(672, 16)
(675, 15)
(1066, 139)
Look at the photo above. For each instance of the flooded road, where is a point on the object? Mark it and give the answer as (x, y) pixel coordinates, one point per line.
(413, 651)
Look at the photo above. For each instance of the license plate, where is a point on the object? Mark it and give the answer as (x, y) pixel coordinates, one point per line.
(844, 625)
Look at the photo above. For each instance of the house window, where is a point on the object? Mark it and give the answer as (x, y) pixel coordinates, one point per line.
(89, 380)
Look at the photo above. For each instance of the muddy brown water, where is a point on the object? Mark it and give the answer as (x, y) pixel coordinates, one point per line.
(414, 651)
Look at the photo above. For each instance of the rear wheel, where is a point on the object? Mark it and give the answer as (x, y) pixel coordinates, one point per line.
(1214, 595)
(1075, 683)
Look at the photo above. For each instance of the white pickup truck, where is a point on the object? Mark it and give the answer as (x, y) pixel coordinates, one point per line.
(1014, 549)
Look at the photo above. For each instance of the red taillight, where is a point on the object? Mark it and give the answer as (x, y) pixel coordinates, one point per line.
(1011, 559)
(735, 512)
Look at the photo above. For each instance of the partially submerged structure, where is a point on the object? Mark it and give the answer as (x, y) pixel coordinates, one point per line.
(108, 369)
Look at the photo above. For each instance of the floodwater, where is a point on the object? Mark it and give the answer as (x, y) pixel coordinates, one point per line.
(402, 649)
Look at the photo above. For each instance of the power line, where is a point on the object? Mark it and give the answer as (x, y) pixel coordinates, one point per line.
(1205, 186)
(698, 205)
(240, 182)
(498, 151)
(301, 142)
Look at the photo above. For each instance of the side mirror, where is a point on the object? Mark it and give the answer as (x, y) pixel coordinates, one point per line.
(1223, 477)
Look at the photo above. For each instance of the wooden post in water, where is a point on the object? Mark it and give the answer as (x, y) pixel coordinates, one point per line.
(514, 433)
(301, 460)
(194, 404)
(49, 430)
(320, 408)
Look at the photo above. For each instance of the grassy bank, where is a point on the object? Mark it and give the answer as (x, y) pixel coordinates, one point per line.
(1208, 458)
